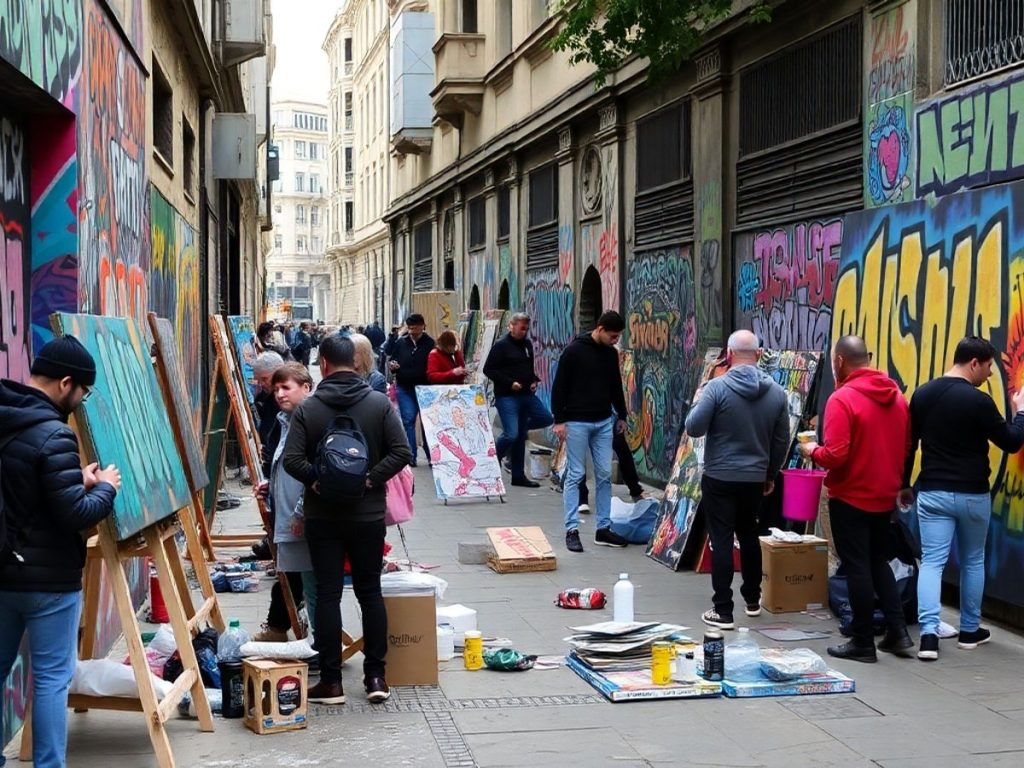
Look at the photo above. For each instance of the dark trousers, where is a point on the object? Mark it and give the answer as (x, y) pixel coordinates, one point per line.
(864, 545)
(627, 468)
(277, 614)
(519, 414)
(329, 542)
(731, 510)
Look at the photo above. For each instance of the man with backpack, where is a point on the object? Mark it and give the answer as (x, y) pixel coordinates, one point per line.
(345, 442)
(47, 501)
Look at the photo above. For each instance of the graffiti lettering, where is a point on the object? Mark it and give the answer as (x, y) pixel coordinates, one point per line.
(746, 287)
(608, 266)
(971, 139)
(41, 39)
(710, 288)
(892, 55)
(12, 163)
(566, 252)
(549, 303)
(14, 327)
(888, 158)
(126, 177)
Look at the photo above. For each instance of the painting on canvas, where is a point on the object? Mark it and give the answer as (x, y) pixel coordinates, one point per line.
(243, 336)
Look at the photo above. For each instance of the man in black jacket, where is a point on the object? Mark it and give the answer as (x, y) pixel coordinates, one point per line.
(588, 385)
(48, 500)
(336, 528)
(409, 364)
(303, 345)
(509, 366)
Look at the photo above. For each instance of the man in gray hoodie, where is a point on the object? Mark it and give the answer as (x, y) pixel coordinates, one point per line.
(745, 417)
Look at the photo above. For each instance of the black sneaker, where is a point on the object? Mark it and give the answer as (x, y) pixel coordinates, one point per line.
(897, 642)
(606, 537)
(753, 609)
(854, 652)
(525, 482)
(572, 541)
(377, 691)
(714, 619)
(326, 693)
(971, 640)
(929, 650)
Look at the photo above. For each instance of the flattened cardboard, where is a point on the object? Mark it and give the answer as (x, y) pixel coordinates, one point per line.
(520, 550)
(793, 575)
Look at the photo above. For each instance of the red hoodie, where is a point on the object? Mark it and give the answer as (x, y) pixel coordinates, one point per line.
(867, 440)
(440, 366)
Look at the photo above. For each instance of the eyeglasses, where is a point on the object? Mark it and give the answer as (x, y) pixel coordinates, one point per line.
(87, 393)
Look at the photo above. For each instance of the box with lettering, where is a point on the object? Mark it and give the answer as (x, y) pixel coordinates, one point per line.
(795, 575)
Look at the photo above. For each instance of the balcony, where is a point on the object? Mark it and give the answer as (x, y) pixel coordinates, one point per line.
(460, 69)
(348, 178)
(348, 69)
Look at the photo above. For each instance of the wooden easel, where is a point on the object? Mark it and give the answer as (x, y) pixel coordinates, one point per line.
(248, 442)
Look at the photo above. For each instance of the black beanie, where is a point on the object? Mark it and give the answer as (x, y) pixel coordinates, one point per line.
(65, 356)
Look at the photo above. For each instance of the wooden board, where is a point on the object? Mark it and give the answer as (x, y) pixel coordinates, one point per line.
(439, 308)
(218, 420)
(520, 550)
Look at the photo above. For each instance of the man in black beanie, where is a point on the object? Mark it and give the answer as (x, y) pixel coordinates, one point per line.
(47, 501)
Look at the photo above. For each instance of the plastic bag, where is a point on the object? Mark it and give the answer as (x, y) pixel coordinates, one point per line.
(784, 664)
(398, 504)
(163, 641)
(409, 581)
(187, 709)
(295, 649)
(105, 677)
(508, 660)
(634, 522)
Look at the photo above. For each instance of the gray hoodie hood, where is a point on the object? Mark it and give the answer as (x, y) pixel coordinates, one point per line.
(748, 381)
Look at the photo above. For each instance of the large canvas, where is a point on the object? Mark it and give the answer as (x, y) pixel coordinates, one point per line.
(126, 422)
(217, 422)
(461, 444)
(182, 406)
(243, 337)
(247, 425)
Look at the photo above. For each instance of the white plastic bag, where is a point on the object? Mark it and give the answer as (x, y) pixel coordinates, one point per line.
(163, 641)
(408, 581)
(781, 665)
(105, 677)
(295, 649)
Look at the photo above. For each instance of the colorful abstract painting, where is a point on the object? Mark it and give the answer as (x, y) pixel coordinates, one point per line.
(460, 440)
(243, 337)
(126, 422)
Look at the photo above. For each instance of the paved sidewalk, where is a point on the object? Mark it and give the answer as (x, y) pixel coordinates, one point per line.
(966, 709)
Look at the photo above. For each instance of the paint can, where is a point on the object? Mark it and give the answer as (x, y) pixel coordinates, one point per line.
(473, 650)
(661, 663)
(714, 655)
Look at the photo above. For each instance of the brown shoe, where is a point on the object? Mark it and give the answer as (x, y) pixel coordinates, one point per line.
(377, 691)
(270, 635)
(326, 693)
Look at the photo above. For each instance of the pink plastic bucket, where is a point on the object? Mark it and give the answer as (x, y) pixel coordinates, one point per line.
(801, 491)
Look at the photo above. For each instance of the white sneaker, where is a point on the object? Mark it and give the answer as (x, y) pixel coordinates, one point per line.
(583, 509)
(947, 631)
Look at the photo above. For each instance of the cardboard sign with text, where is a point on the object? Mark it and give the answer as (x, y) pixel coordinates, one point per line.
(795, 575)
(412, 639)
(520, 550)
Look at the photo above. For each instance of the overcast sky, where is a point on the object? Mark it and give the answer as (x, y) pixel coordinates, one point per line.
(299, 30)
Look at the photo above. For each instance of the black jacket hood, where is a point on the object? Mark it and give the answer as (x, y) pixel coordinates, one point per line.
(342, 389)
(22, 406)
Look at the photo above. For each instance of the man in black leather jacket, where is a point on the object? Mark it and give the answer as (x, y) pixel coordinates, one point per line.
(48, 500)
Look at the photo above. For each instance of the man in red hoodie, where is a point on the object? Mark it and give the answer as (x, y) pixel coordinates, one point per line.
(867, 439)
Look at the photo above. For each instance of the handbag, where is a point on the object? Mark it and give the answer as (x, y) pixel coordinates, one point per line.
(398, 505)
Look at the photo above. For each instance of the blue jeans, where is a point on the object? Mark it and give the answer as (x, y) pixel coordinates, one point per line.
(409, 409)
(519, 414)
(942, 516)
(51, 619)
(581, 437)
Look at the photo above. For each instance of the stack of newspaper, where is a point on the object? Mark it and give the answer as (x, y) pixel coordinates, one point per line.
(616, 645)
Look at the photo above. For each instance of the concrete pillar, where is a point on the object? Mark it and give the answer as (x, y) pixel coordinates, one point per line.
(567, 211)
(489, 293)
(610, 137)
(517, 231)
(459, 245)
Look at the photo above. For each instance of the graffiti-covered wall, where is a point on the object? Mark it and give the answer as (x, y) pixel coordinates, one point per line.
(43, 41)
(549, 303)
(15, 248)
(915, 279)
(663, 363)
(785, 282)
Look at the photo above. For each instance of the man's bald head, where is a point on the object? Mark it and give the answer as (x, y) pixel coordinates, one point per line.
(849, 354)
(743, 348)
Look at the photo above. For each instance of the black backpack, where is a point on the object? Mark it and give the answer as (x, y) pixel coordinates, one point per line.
(8, 533)
(343, 460)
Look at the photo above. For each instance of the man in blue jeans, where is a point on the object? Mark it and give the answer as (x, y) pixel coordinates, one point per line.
(953, 421)
(509, 366)
(587, 388)
(48, 500)
(409, 364)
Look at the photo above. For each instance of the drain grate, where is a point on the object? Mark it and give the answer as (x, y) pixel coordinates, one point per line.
(511, 702)
(453, 747)
(429, 699)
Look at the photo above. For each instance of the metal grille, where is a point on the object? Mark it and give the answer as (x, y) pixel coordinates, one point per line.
(664, 216)
(423, 258)
(982, 36)
(477, 222)
(663, 154)
(542, 247)
(818, 82)
(504, 212)
(544, 195)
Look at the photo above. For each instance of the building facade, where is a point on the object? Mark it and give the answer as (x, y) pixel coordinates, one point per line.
(357, 45)
(780, 181)
(296, 267)
(119, 194)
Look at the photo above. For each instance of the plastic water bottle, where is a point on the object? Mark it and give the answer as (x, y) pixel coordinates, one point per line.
(445, 642)
(622, 599)
(229, 662)
(743, 657)
(229, 644)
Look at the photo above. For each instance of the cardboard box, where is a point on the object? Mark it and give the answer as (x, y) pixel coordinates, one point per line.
(793, 575)
(270, 685)
(520, 550)
(412, 639)
(636, 685)
(827, 682)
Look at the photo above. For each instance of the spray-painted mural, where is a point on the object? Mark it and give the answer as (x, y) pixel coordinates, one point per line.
(913, 281)
(549, 303)
(15, 249)
(507, 274)
(481, 274)
(43, 41)
(661, 335)
(785, 281)
(599, 248)
(129, 14)
(890, 103)
(113, 224)
(972, 138)
(709, 298)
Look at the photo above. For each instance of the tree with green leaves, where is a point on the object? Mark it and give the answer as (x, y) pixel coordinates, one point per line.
(666, 32)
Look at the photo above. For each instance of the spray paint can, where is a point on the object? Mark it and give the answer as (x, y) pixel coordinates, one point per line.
(661, 663)
(714, 655)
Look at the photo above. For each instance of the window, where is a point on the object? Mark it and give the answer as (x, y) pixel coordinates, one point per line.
(544, 195)
(314, 183)
(300, 244)
(278, 245)
(301, 278)
(504, 212)
(278, 276)
(982, 37)
(300, 150)
(300, 182)
(348, 159)
(314, 215)
(540, 12)
(277, 186)
(348, 50)
(188, 156)
(316, 244)
(348, 110)
(662, 147)
(469, 16)
(477, 222)
(300, 214)
(349, 215)
(504, 28)
(163, 115)
(423, 257)
(314, 151)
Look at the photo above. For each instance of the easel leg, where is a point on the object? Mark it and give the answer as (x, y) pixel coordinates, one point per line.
(192, 547)
(289, 603)
(92, 582)
(199, 525)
